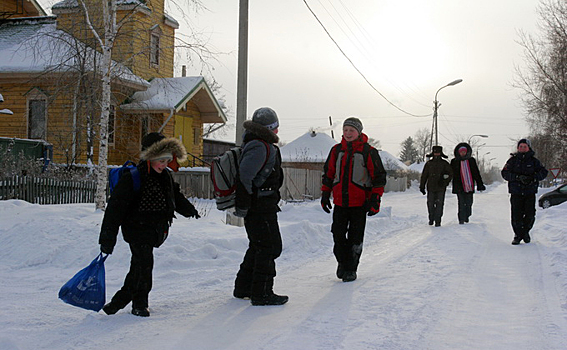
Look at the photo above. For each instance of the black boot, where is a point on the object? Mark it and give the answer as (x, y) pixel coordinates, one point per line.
(142, 312)
(110, 308)
(516, 241)
(340, 271)
(269, 299)
(241, 293)
(349, 276)
(527, 238)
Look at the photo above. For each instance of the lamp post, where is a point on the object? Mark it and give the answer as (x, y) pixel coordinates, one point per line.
(436, 106)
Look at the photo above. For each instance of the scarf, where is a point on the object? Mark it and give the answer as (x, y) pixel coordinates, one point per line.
(466, 176)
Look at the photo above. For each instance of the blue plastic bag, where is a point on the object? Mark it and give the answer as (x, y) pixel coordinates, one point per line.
(87, 289)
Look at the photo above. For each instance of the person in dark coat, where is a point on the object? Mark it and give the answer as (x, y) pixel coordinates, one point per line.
(465, 175)
(354, 173)
(523, 171)
(144, 217)
(257, 198)
(436, 175)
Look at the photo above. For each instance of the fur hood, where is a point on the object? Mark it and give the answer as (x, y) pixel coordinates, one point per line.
(167, 145)
(458, 155)
(260, 131)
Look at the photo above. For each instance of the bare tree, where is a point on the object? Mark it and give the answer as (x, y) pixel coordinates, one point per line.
(422, 141)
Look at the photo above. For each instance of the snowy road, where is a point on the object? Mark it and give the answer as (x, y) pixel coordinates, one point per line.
(419, 287)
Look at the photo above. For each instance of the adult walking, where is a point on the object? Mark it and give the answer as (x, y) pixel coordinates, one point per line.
(436, 176)
(523, 171)
(257, 198)
(356, 177)
(465, 175)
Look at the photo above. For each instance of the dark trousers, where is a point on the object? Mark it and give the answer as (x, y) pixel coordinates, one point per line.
(258, 268)
(523, 213)
(348, 233)
(435, 202)
(138, 282)
(465, 201)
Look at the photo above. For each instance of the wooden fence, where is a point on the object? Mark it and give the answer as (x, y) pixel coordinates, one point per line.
(46, 191)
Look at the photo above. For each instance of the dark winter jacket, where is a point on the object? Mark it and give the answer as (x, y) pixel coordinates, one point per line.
(353, 171)
(523, 171)
(260, 171)
(456, 167)
(144, 215)
(436, 175)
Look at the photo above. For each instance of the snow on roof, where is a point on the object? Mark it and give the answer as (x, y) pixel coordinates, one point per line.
(417, 167)
(165, 94)
(35, 45)
(311, 147)
(69, 4)
(392, 163)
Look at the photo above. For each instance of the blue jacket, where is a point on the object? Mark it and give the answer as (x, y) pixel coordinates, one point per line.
(523, 164)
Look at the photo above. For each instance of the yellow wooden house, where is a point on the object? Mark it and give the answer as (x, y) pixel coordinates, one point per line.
(49, 78)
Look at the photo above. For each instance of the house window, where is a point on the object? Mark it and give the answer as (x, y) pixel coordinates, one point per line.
(196, 136)
(154, 48)
(37, 118)
(111, 124)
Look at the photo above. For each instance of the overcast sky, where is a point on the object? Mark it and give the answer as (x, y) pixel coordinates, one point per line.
(406, 49)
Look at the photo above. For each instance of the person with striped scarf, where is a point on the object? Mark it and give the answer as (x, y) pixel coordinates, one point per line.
(465, 175)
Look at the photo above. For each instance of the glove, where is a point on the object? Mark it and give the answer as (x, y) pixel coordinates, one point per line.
(481, 187)
(526, 179)
(106, 249)
(422, 190)
(374, 204)
(326, 201)
(196, 216)
(240, 212)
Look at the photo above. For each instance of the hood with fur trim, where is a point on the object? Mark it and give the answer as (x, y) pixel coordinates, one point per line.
(167, 145)
(260, 131)
(458, 155)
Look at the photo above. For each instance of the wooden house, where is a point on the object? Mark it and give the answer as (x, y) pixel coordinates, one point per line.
(50, 79)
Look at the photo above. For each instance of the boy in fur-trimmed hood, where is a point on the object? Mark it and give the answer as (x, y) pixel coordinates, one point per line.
(144, 216)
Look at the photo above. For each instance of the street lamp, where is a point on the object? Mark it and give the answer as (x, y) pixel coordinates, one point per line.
(480, 135)
(436, 106)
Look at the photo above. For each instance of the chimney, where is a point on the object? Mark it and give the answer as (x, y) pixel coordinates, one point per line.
(183, 71)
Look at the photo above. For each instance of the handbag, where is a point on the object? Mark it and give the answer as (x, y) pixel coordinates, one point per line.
(87, 289)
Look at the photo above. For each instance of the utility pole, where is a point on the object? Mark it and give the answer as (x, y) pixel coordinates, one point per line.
(242, 79)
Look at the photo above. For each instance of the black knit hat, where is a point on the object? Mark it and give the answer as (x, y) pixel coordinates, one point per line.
(150, 139)
(353, 122)
(267, 117)
(526, 141)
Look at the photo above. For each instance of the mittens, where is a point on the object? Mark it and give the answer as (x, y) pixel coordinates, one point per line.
(326, 201)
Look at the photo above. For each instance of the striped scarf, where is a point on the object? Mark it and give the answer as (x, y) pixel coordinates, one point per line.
(466, 176)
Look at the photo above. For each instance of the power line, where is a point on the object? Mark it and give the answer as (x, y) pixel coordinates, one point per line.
(356, 68)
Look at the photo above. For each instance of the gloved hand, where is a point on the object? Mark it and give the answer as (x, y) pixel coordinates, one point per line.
(526, 179)
(422, 190)
(240, 212)
(326, 201)
(194, 214)
(374, 204)
(106, 249)
(481, 188)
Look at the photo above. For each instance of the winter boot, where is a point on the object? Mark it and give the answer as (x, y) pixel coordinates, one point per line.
(142, 312)
(430, 222)
(241, 294)
(437, 223)
(349, 276)
(516, 241)
(340, 271)
(269, 299)
(110, 308)
(527, 238)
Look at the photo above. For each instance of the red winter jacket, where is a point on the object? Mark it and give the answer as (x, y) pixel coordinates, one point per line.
(353, 171)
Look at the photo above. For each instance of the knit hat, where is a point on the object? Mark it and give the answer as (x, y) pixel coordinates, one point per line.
(526, 141)
(353, 122)
(463, 148)
(267, 117)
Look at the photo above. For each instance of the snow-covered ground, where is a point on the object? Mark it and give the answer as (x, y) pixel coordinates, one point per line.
(419, 287)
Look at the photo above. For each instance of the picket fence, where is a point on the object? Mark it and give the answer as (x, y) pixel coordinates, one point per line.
(39, 190)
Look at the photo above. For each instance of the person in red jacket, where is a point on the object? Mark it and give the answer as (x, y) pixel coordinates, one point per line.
(356, 177)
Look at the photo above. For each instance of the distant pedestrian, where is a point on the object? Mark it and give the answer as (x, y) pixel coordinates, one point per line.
(523, 171)
(144, 216)
(436, 176)
(356, 177)
(257, 198)
(465, 175)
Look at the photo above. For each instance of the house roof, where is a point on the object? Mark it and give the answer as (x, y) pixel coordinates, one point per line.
(71, 4)
(166, 94)
(35, 46)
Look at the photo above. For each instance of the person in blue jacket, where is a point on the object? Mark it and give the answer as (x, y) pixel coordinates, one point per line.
(523, 171)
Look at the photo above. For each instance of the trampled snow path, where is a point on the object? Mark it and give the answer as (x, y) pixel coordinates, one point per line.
(419, 287)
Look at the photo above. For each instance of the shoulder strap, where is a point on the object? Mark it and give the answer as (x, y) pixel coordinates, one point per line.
(365, 152)
(135, 178)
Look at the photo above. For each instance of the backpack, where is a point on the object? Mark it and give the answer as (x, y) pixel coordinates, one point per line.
(116, 173)
(224, 176)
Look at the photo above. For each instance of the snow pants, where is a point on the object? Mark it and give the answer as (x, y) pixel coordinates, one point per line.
(435, 202)
(348, 233)
(138, 282)
(523, 213)
(258, 268)
(465, 201)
